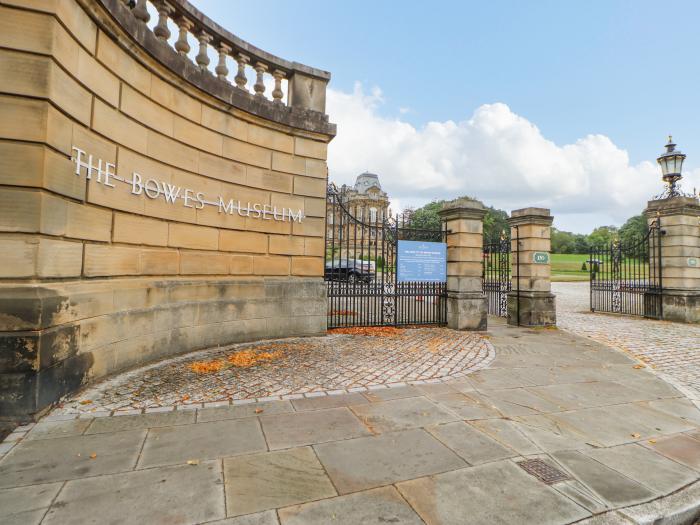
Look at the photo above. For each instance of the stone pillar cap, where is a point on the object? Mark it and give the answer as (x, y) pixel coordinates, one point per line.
(531, 211)
(531, 215)
(464, 207)
(674, 206)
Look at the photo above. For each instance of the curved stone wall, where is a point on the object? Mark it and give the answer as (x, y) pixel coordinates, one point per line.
(149, 204)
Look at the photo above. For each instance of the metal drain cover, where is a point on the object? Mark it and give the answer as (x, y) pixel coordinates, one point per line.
(543, 471)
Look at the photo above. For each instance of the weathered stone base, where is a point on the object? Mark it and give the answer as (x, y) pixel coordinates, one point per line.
(467, 310)
(536, 309)
(681, 306)
(58, 337)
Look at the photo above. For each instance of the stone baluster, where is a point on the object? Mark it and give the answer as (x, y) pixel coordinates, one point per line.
(182, 46)
(161, 29)
(277, 93)
(141, 11)
(259, 86)
(241, 79)
(221, 69)
(202, 58)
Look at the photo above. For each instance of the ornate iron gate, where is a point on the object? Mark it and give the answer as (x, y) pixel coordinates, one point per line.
(626, 278)
(496, 281)
(360, 271)
(497, 274)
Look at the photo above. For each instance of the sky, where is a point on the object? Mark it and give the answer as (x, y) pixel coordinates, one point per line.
(559, 104)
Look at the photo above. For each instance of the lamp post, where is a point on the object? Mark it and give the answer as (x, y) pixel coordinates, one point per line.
(671, 162)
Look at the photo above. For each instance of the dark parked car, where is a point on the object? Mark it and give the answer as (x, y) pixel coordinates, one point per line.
(350, 270)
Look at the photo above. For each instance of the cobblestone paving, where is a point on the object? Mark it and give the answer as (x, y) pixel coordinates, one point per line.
(301, 367)
(671, 349)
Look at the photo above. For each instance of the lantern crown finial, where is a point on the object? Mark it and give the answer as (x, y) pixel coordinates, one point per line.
(671, 164)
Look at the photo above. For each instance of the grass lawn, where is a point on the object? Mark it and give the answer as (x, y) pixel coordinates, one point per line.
(567, 267)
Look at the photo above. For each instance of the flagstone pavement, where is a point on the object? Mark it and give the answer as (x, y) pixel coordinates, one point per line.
(616, 445)
(670, 349)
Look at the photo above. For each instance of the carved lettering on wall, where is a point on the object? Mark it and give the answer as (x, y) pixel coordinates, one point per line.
(105, 173)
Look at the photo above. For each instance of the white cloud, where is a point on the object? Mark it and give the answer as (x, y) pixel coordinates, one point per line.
(496, 155)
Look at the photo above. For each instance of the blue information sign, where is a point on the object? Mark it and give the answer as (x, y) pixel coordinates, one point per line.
(422, 261)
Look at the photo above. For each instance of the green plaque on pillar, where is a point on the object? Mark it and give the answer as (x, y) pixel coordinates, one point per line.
(540, 258)
(693, 262)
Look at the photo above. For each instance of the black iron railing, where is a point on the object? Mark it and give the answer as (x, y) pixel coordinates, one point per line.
(626, 277)
(361, 276)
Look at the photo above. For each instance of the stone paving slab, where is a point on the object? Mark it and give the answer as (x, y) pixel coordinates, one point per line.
(470, 444)
(138, 421)
(316, 403)
(652, 470)
(389, 394)
(378, 506)
(179, 494)
(240, 411)
(363, 463)
(57, 429)
(507, 433)
(611, 486)
(308, 428)
(550, 433)
(26, 505)
(262, 518)
(401, 414)
(468, 406)
(172, 445)
(683, 449)
(60, 459)
(495, 493)
(275, 479)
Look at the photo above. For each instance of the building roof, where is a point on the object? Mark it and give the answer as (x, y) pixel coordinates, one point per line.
(366, 181)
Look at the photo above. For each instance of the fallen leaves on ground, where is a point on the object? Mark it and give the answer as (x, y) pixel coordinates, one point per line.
(635, 435)
(86, 401)
(193, 462)
(205, 367)
(245, 358)
(248, 358)
(93, 455)
(652, 441)
(639, 366)
(258, 410)
(369, 331)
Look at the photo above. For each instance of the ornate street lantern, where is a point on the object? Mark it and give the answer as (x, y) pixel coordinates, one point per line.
(671, 162)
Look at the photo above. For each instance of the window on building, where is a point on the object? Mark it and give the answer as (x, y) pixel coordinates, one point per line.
(373, 214)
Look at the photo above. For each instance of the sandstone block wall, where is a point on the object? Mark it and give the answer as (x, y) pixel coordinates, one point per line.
(95, 277)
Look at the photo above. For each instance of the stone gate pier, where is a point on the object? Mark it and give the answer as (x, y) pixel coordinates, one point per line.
(531, 301)
(679, 220)
(151, 202)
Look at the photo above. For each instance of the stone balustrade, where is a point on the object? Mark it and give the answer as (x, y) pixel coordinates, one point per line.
(238, 74)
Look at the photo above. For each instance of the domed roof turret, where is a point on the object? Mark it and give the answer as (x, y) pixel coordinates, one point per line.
(366, 181)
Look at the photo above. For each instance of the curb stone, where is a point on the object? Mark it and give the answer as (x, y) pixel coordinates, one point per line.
(679, 508)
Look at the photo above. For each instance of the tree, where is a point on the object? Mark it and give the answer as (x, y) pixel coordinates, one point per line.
(603, 235)
(634, 230)
(427, 218)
